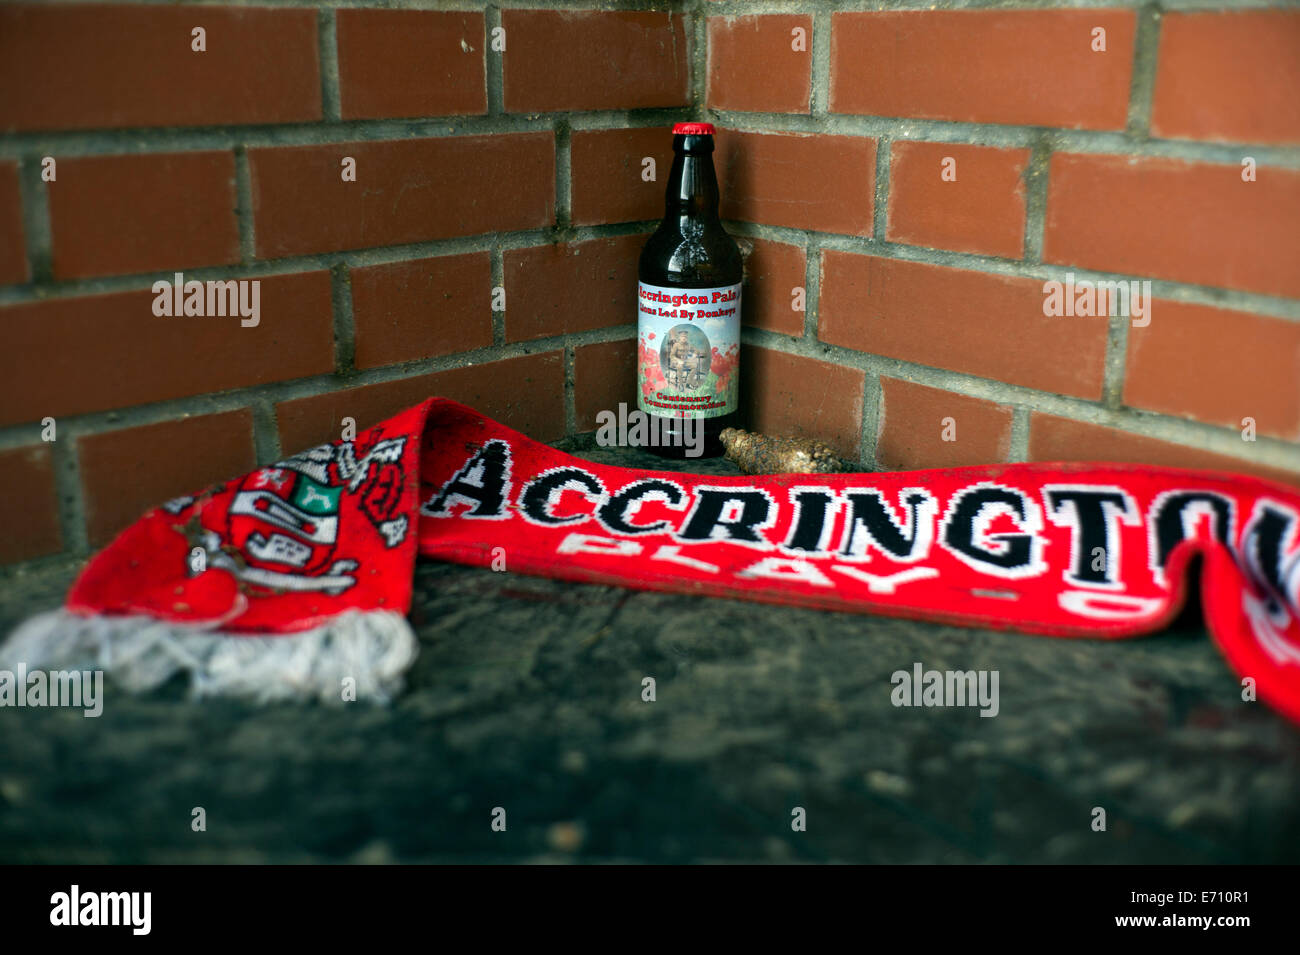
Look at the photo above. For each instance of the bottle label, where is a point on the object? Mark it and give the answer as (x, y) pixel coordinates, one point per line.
(688, 351)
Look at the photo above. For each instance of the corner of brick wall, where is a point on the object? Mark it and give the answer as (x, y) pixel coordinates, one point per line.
(885, 308)
(926, 291)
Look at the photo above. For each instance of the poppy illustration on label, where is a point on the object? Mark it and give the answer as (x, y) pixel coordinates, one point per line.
(688, 351)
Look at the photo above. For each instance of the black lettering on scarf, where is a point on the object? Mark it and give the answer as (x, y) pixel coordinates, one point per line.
(1170, 522)
(1265, 545)
(710, 515)
(613, 513)
(1093, 514)
(869, 514)
(483, 482)
(535, 501)
(811, 530)
(1008, 555)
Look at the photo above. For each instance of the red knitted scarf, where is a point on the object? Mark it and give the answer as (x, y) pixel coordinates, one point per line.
(296, 577)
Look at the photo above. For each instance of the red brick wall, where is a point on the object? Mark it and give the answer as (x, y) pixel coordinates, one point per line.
(480, 169)
(476, 169)
(1122, 164)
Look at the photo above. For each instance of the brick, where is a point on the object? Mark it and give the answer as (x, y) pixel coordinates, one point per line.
(13, 255)
(914, 420)
(753, 64)
(604, 376)
(1228, 76)
(410, 190)
(1062, 439)
(526, 393)
(571, 287)
(790, 394)
(121, 215)
(1020, 67)
(123, 473)
(404, 63)
(981, 210)
(772, 272)
(405, 311)
(28, 504)
(1188, 222)
(1217, 366)
(992, 326)
(112, 66)
(589, 59)
(825, 183)
(67, 356)
(605, 172)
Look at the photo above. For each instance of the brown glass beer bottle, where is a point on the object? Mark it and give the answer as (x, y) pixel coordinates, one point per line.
(688, 310)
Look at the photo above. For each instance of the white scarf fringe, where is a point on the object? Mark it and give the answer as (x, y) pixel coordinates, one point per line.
(372, 648)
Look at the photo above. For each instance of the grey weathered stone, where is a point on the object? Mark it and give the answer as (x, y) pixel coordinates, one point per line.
(527, 695)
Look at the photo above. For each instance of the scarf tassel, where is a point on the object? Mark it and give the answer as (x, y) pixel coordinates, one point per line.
(356, 655)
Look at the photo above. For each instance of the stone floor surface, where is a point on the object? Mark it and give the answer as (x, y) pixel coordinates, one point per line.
(527, 695)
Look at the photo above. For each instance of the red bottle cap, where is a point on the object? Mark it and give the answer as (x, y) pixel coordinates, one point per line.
(693, 129)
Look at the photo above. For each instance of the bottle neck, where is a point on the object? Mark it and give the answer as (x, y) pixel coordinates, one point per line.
(692, 184)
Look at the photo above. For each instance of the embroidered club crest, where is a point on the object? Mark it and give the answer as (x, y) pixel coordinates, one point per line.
(281, 518)
(282, 526)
